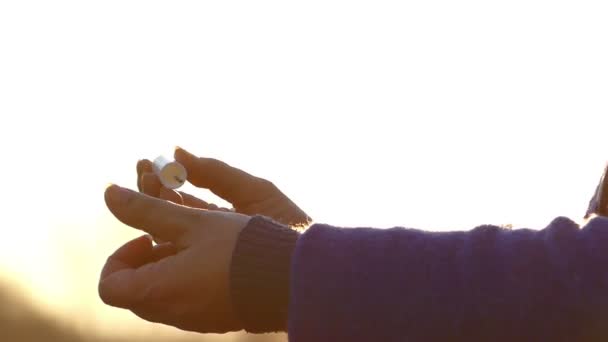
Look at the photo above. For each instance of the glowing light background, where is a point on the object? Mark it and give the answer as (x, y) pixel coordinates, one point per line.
(438, 115)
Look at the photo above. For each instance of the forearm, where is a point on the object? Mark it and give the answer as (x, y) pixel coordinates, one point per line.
(260, 275)
(486, 284)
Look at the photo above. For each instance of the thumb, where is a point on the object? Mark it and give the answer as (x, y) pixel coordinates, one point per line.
(157, 217)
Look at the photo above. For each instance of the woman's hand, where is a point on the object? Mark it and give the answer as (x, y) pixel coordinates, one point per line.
(183, 282)
(248, 194)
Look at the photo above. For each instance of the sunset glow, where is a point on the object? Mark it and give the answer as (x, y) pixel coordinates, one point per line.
(434, 115)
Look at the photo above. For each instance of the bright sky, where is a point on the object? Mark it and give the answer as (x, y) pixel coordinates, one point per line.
(428, 114)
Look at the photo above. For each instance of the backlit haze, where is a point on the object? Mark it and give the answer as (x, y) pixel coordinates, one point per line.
(437, 115)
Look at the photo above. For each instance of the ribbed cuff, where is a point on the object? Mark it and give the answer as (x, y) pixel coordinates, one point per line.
(260, 273)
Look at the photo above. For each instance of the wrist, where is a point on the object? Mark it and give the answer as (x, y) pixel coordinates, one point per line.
(260, 273)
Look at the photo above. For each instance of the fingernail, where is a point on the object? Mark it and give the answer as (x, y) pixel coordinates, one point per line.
(140, 164)
(119, 195)
(179, 150)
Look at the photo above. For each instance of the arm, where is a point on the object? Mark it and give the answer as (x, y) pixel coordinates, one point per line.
(401, 284)
(355, 284)
(598, 205)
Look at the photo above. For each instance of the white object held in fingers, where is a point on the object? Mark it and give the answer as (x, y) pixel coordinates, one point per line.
(172, 174)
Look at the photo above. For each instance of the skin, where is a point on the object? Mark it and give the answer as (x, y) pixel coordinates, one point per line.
(248, 194)
(184, 281)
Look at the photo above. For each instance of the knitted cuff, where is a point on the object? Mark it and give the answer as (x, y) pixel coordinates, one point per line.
(260, 273)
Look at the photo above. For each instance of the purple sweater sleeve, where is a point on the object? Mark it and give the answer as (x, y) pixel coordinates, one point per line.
(487, 284)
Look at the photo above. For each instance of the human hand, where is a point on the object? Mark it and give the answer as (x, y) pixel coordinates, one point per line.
(183, 282)
(248, 194)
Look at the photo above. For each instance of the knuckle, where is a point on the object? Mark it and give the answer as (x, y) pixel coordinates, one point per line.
(266, 184)
(135, 203)
(207, 161)
(104, 293)
(189, 218)
(216, 164)
(151, 292)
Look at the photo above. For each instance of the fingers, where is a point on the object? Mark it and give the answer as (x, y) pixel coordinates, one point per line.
(136, 253)
(159, 218)
(171, 195)
(143, 166)
(162, 251)
(194, 202)
(147, 181)
(117, 277)
(131, 285)
(150, 184)
(230, 183)
(132, 254)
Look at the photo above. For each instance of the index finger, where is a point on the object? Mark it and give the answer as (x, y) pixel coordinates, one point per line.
(143, 166)
(160, 218)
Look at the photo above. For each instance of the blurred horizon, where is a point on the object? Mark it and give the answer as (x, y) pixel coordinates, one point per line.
(21, 321)
(433, 115)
